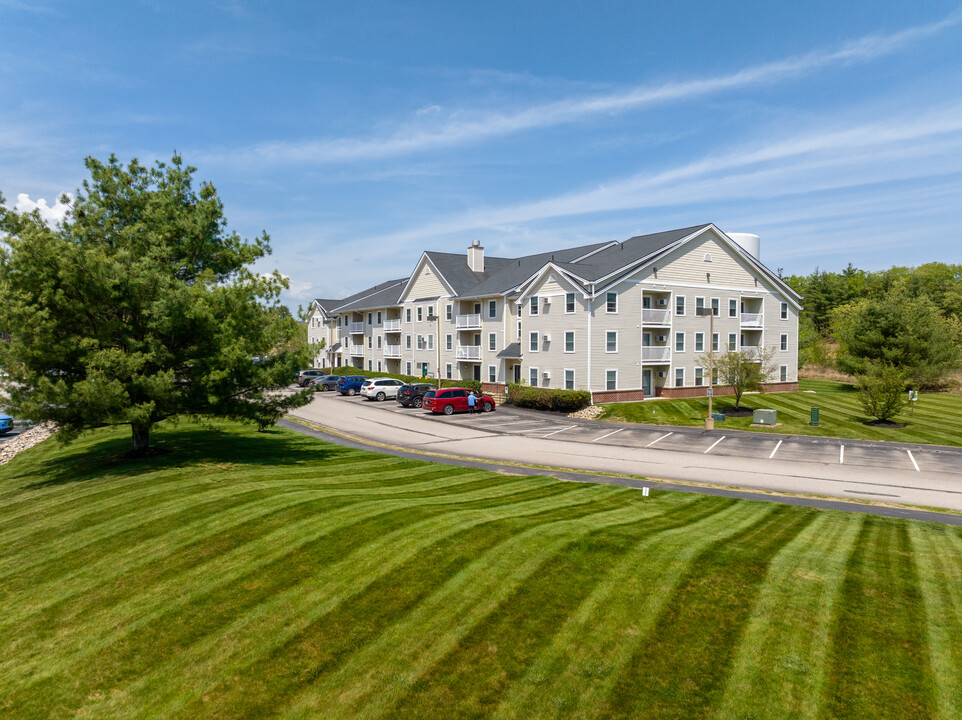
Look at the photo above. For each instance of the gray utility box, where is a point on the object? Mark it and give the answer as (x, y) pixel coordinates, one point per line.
(765, 417)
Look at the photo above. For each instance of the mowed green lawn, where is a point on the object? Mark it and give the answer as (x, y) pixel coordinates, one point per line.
(935, 419)
(256, 575)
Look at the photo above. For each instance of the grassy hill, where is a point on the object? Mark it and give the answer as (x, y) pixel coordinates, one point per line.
(255, 575)
(935, 419)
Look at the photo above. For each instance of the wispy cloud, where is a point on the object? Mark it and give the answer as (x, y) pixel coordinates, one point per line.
(463, 128)
(912, 146)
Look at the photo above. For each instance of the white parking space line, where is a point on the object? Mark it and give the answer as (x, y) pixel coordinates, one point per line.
(775, 450)
(558, 431)
(841, 454)
(713, 445)
(606, 435)
(657, 439)
(912, 458)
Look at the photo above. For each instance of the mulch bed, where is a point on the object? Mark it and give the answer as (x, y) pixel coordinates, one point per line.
(885, 424)
(737, 412)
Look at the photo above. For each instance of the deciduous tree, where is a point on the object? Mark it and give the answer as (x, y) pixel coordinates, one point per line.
(743, 371)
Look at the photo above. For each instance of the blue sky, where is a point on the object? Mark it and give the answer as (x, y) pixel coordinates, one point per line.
(360, 133)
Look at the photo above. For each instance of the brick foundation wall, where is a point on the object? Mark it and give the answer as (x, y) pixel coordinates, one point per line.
(498, 391)
(615, 396)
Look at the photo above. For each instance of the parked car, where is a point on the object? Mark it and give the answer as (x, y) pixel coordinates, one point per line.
(413, 395)
(305, 376)
(452, 400)
(351, 385)
(380, 388)
(6, 423)
(325, 382)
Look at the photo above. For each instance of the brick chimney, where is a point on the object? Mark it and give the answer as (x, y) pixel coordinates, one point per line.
(476, 257)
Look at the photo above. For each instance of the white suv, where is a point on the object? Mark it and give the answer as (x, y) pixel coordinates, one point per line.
(380, 388)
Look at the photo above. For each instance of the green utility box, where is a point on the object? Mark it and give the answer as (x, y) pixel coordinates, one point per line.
(814, 421)
(718, 417)
(765, 417)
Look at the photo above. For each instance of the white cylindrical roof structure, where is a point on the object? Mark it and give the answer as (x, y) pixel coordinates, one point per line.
(747, 241)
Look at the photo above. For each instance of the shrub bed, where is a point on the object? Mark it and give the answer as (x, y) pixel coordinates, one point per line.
(548, 398)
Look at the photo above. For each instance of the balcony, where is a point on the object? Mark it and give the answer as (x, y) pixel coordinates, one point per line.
(655, 317)
(469, 322)
(357, 328)
(469, 352)
(752, 320)
(652, 355)
(751, 352)
(392, 351)
(392, 325)
(357, 350)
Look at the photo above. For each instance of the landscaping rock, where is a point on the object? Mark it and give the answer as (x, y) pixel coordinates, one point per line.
(588, 413)
(26, 439)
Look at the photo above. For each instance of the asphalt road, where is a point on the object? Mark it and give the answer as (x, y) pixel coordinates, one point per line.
(922, 475)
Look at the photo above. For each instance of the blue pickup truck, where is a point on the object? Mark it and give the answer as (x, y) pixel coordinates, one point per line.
(351, 385)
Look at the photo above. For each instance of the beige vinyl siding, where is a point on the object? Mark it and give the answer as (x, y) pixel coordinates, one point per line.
(687, 264)
(775, 327)
(425, 284)
(627, 322)
(553, 321)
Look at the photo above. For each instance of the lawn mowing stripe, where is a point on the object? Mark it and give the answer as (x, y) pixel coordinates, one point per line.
(605, 629)
(879, 660)
(170, 539)
(288, 613)
(471, 680)
(780, 665)
(681, 669)
(374, 678)
(84, 544)
(146, 606)
(329, 641)
(938, 552)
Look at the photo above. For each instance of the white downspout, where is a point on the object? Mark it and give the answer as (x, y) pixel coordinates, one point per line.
(591, 311)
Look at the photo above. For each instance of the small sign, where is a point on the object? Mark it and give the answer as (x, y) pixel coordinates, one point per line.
(711, 391)
(913, 395)
(644, 492)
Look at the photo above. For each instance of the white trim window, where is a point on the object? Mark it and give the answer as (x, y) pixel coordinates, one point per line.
(679, 305)
(378, 342)
(569, 341)
(699, 376)
(783, 343)
(407, 368)
(714, 342)
(533, 343)
(370, 343)
(492, 309)
(407, 316)
(569, 303)
(611, 379)
(407, 339)
(448, 342)
(715, 306)
(784, 311)
(679, 342)
(378, 317)
(431, 341)
(699, 342)
(492, 342)
(448, 311)
(447, 371)
(379, 366)
(533, 376)
(611, 341)
(533, 305)
(492, 373)
(679, 377)
(611, 302)
(699, 304)
(732, 307)
(420, 313)
(569, 379)
(783, 373)
(732, 342)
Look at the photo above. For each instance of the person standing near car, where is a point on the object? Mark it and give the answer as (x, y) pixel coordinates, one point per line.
(472, 402)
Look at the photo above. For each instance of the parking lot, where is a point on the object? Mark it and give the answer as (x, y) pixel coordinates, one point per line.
(509, 421)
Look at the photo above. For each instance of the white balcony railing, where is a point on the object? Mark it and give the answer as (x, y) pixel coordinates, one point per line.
(357, 349)
(655, 317)
(357, 327)
(469, 322)
(656, 354)
(469, 352)
(392, 325)
(752, 352)
(752, 320)
(392, 351)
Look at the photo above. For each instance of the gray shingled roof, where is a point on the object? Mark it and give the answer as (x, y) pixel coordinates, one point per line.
(379, 296)
(511, 352)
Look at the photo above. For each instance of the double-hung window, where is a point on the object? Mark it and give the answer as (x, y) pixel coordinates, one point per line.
(699, 342)
(733, 308)
(679, 304)
(492, 342)
(784, 342)
(784, 313)
(714, 306)
(699, 375)
(420, 313)
(569, 379)
(732, 342)
(448, 311)
(611, 379)
(679, 342)
(611, 341)
(492, 308)
(492, 373)
(679, 377)
(533, 342)
(448, 342)
(569, 302)
(714, 342)
(407, 315)
(533, 307)
(533, 376)
(611, 302)
(569, 341)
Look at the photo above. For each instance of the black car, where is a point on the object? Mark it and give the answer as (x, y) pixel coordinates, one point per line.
(413, 395)
(325, 382)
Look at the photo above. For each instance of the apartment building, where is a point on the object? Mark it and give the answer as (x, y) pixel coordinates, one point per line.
(620, 319)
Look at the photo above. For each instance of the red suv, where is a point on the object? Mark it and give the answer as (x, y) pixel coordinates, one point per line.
(452, 400)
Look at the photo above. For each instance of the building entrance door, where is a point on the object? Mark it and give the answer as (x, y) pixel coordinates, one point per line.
(646, 382)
